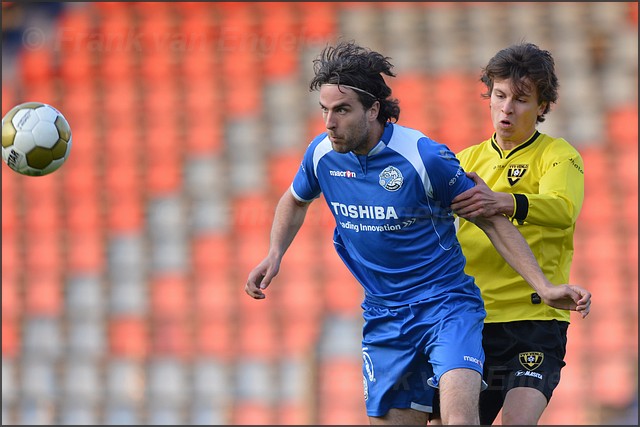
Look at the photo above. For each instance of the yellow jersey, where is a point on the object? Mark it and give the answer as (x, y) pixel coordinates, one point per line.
(546, 178)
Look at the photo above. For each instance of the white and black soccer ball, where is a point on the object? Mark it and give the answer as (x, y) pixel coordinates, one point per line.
(36, 139)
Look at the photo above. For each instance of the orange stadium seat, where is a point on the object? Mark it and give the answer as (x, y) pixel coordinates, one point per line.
(251, 250)
(252, 212)
(83, 214)
(42, 213)
(79, 178)
(202, 93)
(253, 412)
(125, 212)
(299, 335)
(157, 67)
(116, 65)
(257, 330)
(215, 337)
(77, 66)
(172, 337)
(293, 413)
(10, 336)
(11, 257)
(44, 92)
(121, 160)
(170, 296)
(622, 126)
(625, 159)
(318, 21)
(615, 380)
(282, 168)
(342, 292)
(243, 96)
(11, 300)
(214, 297)
(613, 331)
(36, 66)
(163, 171)
(211, 253)
(633, 13)
(279, 39)
(79, 106)
(315, 126)
(203, 135)
(128, 337)
(194, 9)
(163, 175)
(120, 106)
(85, 252)
(412, 90)
(76, 27)
(43, 254)
(340, 383)
(43, 294)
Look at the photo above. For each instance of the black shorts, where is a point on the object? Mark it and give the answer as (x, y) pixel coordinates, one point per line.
(528, 353)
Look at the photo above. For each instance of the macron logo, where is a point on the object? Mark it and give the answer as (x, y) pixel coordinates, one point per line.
(344, 174)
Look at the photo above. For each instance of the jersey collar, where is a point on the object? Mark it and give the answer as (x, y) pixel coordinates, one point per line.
(520, 147)
(384, 140)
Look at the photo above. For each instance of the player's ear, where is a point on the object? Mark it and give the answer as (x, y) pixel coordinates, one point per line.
(374, 110)
(542, 107)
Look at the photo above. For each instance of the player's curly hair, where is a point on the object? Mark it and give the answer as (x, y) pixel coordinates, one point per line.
(353, 65)
(526, 64)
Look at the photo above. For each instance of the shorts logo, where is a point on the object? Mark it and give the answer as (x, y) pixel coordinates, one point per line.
(531, 360)
(391, 179)
(368, 365)
(366, 387)
(515, 172)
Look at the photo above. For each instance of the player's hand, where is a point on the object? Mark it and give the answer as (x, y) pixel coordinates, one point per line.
(568, 297)
(260, 278)
(477, 201)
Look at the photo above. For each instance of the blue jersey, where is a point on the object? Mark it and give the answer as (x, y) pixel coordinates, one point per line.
(394, 228)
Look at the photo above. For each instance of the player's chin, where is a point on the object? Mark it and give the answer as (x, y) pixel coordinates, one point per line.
(339, 148)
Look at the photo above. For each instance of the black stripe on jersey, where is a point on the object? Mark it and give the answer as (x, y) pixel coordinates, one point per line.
(495, 146)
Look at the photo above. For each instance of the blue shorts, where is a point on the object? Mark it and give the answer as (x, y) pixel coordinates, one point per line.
(406, 349)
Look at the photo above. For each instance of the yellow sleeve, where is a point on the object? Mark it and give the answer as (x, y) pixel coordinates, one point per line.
(560, 193)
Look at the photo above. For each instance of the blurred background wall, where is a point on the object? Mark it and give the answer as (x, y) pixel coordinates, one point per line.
(123, 272)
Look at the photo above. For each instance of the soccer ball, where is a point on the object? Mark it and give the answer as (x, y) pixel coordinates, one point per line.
(36, 139)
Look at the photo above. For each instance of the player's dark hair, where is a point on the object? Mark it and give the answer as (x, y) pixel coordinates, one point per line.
(526, 64)
(352, 65)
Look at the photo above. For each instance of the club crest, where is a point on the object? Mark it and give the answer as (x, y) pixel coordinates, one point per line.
(531, 360)
(391, 178)
(515, 172)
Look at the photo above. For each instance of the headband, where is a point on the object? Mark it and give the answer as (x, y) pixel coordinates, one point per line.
(357, 89)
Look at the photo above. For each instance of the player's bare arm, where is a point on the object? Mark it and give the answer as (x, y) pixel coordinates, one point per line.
(288, 219)
(514, 249)
(482, 201)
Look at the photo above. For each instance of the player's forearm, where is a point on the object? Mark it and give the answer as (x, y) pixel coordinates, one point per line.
(288, 219)
(514, 249)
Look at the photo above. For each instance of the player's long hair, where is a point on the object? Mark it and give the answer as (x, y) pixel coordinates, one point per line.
(352, 65)
(526, 64)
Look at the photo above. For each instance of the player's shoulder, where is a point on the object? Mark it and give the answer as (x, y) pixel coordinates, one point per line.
(410, 142)
(403, 134)
(475, 150)
(318, 139)
(558, 145)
